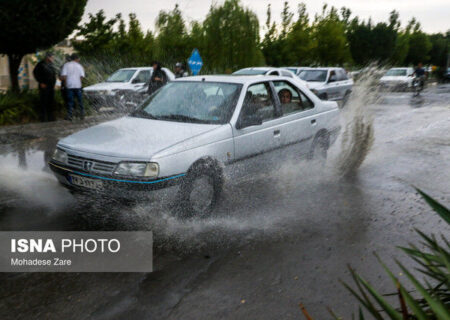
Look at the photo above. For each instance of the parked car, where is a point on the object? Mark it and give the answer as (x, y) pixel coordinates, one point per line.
(193, 133)
(328, 83)
(124, 87)
(264, 71)
(397, 79)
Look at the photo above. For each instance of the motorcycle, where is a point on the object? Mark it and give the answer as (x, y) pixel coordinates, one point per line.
(417, 85)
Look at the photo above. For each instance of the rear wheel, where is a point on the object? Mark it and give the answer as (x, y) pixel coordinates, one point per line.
(319, 148)
(200, 191)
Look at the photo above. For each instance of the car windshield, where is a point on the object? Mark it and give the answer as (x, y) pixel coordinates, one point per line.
(121, 75)
(197, 102)
(313, 75)
(249, 72)
(396, 72)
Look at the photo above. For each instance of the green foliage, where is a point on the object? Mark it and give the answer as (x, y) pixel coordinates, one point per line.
(330, 41)
(172, 42)
(231, 38)
(432, 299)
(27, 26)
(23, 107)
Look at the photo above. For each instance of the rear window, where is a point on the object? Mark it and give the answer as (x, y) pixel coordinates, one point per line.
(313, 75)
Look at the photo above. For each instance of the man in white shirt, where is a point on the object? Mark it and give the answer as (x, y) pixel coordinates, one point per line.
(72, 74)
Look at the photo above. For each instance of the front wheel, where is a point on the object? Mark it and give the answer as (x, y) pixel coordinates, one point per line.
(200, 191)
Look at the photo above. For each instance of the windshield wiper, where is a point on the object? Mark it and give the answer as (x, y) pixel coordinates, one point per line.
(139, 113)
(181, 117)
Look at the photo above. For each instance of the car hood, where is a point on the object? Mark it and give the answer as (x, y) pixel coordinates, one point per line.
(133, 138)
(394, 78)
(106, 86)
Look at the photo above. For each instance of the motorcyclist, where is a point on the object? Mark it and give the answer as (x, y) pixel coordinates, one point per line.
(420, 74)
(179, 71)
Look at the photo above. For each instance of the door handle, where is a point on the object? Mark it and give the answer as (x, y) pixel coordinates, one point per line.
(276, 133)
(313, 122)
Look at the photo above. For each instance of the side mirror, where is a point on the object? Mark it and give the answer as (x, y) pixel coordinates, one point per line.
(248, 121)
(136, 81)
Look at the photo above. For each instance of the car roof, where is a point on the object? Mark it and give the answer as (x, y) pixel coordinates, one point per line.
(232, 79)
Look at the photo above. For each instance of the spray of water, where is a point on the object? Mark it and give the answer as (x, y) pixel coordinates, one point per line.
(31, 188)
(357, 135)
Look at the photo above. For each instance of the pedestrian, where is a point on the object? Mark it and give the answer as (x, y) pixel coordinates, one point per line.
(72, 74)
(45, 75)
(63, 82)
(158, 78)
(179, 71)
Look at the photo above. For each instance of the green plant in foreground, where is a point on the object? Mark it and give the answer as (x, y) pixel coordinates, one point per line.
(430, 299)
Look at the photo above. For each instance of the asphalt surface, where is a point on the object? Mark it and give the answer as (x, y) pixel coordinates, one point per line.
(277, 239)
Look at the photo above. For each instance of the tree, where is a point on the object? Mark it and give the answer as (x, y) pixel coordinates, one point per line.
(231, 37)
(330, 40)
(419, 44)
(172, 38)
(31, 25)
(97, 34)
(299, 42)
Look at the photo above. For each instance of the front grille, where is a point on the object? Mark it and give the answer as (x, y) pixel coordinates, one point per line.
(90, 165)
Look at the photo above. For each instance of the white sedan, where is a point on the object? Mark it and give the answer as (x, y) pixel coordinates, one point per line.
(193, 133)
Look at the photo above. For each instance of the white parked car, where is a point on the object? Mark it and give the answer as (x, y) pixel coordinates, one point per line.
(328, 83)
(264, 71)
(397, 79)
(193, 133)
(123, 86)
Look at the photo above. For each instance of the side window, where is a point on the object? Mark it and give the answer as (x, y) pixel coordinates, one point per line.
(292, 100)
(143, 76)
(274, 73)
(332, 76)
(259, 101)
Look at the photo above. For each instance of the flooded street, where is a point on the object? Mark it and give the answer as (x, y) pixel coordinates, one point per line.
(278, 238)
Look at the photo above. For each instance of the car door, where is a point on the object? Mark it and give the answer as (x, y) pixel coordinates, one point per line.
(344, 83)
(299, 121)
(259, 143)
(141, 80)
(332, 85)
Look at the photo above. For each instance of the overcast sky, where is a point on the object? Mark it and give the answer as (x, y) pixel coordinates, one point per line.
(432, 14)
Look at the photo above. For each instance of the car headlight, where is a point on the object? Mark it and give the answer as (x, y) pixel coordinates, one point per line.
(138, 169)
(60, 156)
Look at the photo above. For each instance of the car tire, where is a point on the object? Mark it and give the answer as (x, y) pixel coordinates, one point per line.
(200, 190)
(319, 147)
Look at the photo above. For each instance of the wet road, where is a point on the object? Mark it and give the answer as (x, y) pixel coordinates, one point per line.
(277, 239)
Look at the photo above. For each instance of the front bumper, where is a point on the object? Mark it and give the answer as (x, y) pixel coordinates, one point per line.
(112, 185)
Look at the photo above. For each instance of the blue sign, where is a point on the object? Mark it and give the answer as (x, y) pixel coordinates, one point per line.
(195, 62)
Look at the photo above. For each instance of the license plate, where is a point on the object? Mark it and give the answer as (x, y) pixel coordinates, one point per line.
(86, 182)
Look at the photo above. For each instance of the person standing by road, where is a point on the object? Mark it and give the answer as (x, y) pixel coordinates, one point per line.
(73, 73)
(45, 75)
(63, 82)
(179, 71)
(158, 78)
